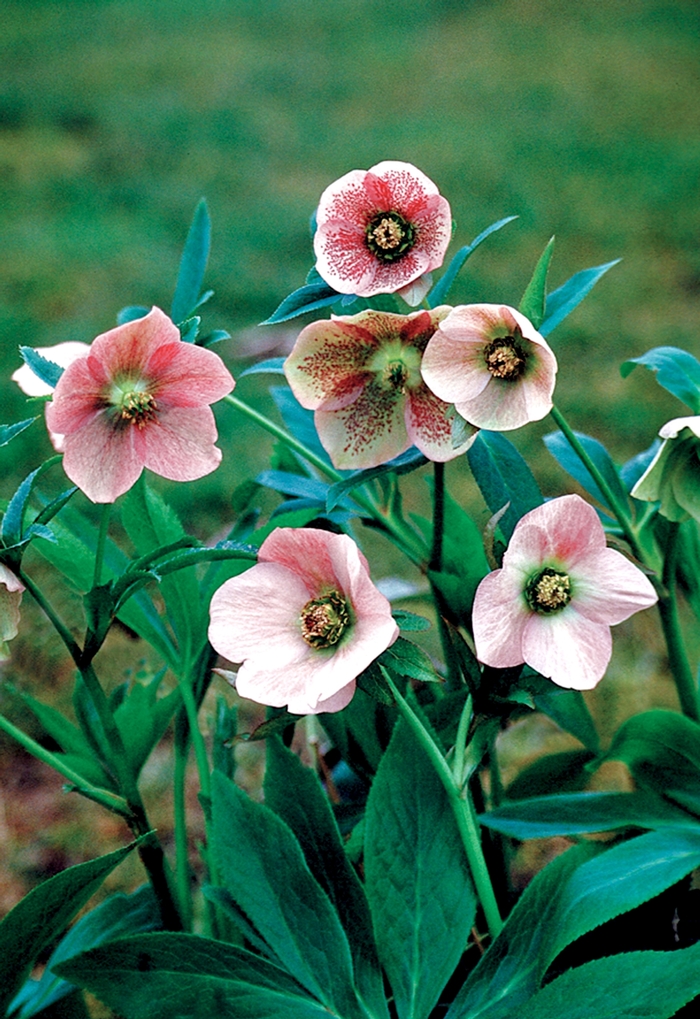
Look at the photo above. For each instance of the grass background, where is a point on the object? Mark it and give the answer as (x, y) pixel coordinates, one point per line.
(117, 115)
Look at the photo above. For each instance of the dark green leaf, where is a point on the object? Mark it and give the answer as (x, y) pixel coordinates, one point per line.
(41, 916)
(675, 369)
(404, 658)
(504, 478)
(578, 813)
(441, 289)
(263, 869)
(402, 464)
(532, 303)
(293, 484)
(561, 302)
(295, 794)
(189, 329)
(273, 365)
(13, 521)
(558, 446)
(310, 297)
(662, 750)
(410, 621)
(569, 710)
(143, 717)
(361, 732)
(193, 265)
(183, 976)
(48, 371)
(417, 882)
(224, 735)
(554, 773)
(215, 336)
(131, 313)
(298, 420)
(8, 432)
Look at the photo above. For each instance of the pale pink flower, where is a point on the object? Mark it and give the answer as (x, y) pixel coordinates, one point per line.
(379, 230)
(558, 593)
(490, 361)
(361, 375)
(305, 621)
(10, 596)
(140, 398)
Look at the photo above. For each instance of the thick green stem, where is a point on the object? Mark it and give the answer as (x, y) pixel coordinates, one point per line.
(670, 622)
(460, 801)
(101, 541)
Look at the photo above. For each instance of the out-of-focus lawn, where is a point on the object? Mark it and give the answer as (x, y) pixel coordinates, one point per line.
(117, 115)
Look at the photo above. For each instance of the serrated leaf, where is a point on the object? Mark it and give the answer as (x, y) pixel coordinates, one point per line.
(558, 446)
(164, 976)
(419, 889)
(675, 369)
(13, 521)
(143, 717)
(48, 371)
(404, 658)
(561, 302)
(532, 303)
(310, 297)
(263, 869)
(8, 432)
(43, 914)
(503, 478)
(441, 289)
(410, 621)
(193, 265)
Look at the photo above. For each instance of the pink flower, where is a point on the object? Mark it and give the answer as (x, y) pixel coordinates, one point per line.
(10, 596)
(557, 595)
(361, 375)
(491, 362)
(304, 621)
(140, 398)
(381, 229)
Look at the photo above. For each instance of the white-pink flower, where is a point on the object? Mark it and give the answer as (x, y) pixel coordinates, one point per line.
(140, 398)
(10, 596)
(559, 591)
(490, 361)
(380, 230)
(305, 621)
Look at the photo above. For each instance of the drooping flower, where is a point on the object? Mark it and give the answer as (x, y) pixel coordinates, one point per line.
(559, 591)
(673, 476)
(380, 230)
(361, 376)
(305, 621)
(491, 362)
(140, 398)
(10, 596)
(61, 354)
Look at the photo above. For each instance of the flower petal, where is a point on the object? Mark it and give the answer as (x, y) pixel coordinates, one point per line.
(567, 648)
(561, 533)
(179, 445)
(607, 588)
(499, 616)
(328, 365)
(187, 376)
(369, 432)
(100, 460)
(429, 426)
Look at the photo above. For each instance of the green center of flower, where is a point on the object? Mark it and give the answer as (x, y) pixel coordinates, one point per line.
(324, 620)
(396, 375)
(548, 591)
(133, 404)
(396, 366)
(505, 358)
(390, 236)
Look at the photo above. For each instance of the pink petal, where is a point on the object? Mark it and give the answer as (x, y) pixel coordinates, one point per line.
(499, 617)
(77, 397)
(369, 432)
(562, 532)
(179, 445)
(567, 648)
(187, 376)
(328, 363)
(307, 553)
(414, 292)
(125, 350)
(343, 258)
(347, 199)
(607, 588)
(453, 368)
(9, 580)
(429, 426)
(101, 460)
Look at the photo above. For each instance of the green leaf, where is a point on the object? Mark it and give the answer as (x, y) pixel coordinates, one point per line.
(224, 736)
(299, 485)
(264, 871)
(662, 750)
(118, 915)
(274, 365)
(675, 369)
(410, 621)
(143, 717)
(561, 302)
(183, 976)
(636, 985)
(558, 773)
(131, 313)
(298, 420)
(361, 732)
(8, 432)
(310, 297)
(48, 371)
(404, 658)
(504, 478)
(295, 794)
(402, 464)
(417, 882)
(193, 265)
(441, 289)
(41, 916)
(578, 813)
(569, 710)
(532, 303)
(558, 446)
(12, 530)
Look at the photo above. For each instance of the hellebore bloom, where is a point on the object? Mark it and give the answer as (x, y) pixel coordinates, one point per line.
(10, 596)
(305, 621)
(558, 593)
(361, 375)
(381, 229)
(491, 362)
(673, 476)
(140, 398)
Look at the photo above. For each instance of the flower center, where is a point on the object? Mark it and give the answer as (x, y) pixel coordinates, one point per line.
(138, 408)
(505, 358)
(548, 591)
(396, 375)
(390, 236)
(324, 620)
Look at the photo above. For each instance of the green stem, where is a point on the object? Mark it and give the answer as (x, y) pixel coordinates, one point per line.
(101, 541)
(460, 801)
(117, 804)
(461, 742)
(200, 749)
(64, 633)
(670, 622)
(182, 865)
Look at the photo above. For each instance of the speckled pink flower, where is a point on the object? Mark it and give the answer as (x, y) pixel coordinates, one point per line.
(140, 398)
(361, 375)
(381, 229)
(558, 593)
(10, 596)
(491, 362)
(305, 621)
